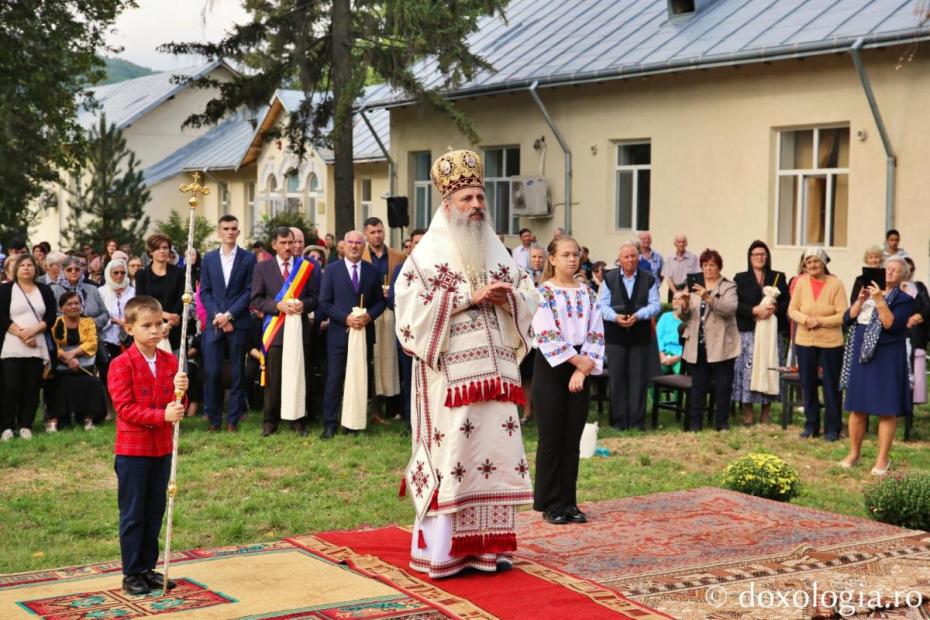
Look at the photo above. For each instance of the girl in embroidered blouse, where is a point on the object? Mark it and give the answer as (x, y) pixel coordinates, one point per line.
(570, 346)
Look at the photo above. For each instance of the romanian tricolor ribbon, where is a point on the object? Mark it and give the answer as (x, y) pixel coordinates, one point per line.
(291, 289)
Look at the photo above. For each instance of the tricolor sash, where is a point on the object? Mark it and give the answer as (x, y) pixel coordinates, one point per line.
(291, 289)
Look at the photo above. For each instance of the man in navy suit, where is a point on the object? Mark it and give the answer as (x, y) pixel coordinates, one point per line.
(225, 288)
(267, 281)
(345, 282)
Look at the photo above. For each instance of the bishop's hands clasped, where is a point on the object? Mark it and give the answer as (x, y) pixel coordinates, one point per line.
(496, 293)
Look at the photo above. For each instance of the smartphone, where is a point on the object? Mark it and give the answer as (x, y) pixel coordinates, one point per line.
(694, 278)
(873, 274)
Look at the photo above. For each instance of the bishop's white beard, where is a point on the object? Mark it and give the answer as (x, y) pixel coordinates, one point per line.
(470, 240)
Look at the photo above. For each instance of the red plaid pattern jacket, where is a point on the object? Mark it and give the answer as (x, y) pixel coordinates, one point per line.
(140, 400)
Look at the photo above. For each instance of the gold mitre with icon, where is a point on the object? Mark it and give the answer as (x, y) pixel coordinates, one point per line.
(455, 170)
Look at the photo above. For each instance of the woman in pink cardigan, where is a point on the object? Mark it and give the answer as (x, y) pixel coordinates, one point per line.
(817, 306)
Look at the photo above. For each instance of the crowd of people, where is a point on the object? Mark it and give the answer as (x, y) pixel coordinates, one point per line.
(64, 319)
(441, 336)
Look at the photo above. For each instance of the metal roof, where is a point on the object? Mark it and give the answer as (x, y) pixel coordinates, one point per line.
(125, 102)
(586, 40)
(221, 148)
(364, 145)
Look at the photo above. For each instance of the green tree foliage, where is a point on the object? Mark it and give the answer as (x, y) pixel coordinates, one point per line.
(329, 50)
(48, 54)
(109, 198)
(175, 228)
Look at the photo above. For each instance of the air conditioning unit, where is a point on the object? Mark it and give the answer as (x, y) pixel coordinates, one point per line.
(529, 197)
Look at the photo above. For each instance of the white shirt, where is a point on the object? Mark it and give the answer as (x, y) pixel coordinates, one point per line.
(226, 262)
(349, 265)
(150, 362)
(521, 255)
(290, 265)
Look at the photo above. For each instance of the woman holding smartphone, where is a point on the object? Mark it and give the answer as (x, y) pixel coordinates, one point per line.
(570, 346)
(712, 341)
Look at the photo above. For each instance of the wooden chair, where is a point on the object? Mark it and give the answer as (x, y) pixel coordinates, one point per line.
(680, 388)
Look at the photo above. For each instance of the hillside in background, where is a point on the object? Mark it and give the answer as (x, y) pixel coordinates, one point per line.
(119, 70)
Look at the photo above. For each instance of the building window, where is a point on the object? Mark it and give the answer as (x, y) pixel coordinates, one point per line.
(632, 177)
(273, 198)
(314, 198)
(253, 211)
(499, 165)
(812, 190)
(224, 197)
(422, 189)
(292, 191)
(365, 202)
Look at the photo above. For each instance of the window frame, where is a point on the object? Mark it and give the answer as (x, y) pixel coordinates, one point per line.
(800, 174)
(422, 187)
(503, 181)
(223, 197)
(635, 169)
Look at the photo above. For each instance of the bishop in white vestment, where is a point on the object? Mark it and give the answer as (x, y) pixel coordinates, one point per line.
(464, 312)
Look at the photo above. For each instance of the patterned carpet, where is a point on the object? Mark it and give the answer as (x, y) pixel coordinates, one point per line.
(701, 553)
(691, 554)
(273, 580)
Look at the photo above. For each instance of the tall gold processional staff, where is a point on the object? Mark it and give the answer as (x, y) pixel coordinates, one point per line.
(195, 189)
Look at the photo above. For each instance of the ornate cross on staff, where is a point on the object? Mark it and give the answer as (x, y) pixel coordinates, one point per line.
(195, 189)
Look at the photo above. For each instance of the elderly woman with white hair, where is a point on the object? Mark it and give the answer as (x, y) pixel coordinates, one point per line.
(818, 301)
(115, 293)
(872, 257)
(53, 263)
(875, 371)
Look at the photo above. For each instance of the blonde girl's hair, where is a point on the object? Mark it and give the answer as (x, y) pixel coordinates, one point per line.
(549, 270)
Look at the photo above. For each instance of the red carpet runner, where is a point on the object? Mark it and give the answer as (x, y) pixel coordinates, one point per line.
(528, 590)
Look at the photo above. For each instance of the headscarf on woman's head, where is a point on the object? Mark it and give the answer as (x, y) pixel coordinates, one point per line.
(108, 275)
(818, 252)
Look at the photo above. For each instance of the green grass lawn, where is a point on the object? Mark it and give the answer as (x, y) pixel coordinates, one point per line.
(58, 491)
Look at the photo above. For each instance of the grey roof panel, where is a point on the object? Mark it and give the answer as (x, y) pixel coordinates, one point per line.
(221, 148)
(556, 42)
(364, 145)
(125, 102)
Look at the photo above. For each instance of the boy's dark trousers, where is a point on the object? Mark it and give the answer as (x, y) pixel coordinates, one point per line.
(143, 481)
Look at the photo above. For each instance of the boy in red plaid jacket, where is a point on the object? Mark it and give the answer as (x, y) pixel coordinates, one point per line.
(142, 382)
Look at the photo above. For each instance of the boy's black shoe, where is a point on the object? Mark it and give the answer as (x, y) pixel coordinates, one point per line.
(135, 585)
(155, 580)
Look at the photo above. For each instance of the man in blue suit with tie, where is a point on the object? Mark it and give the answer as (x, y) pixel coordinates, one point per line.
(345, 282)
(225, 288)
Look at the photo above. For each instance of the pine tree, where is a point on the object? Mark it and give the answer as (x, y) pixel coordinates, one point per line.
(330, 50)
(110, 195)
(48, 57)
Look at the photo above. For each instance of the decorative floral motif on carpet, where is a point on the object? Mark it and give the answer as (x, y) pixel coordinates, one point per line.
(398, 607)
(716, 554)
(116, 604)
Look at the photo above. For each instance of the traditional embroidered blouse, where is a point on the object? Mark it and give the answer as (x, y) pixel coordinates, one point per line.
(568, 318)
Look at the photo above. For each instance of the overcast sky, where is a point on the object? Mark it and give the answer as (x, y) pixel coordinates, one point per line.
(139, 31)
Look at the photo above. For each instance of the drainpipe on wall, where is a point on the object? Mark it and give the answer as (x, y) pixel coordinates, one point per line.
(568, 156)
(891, 161)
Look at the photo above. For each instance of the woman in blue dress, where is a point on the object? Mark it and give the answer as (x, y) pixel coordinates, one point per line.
(875, 370)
